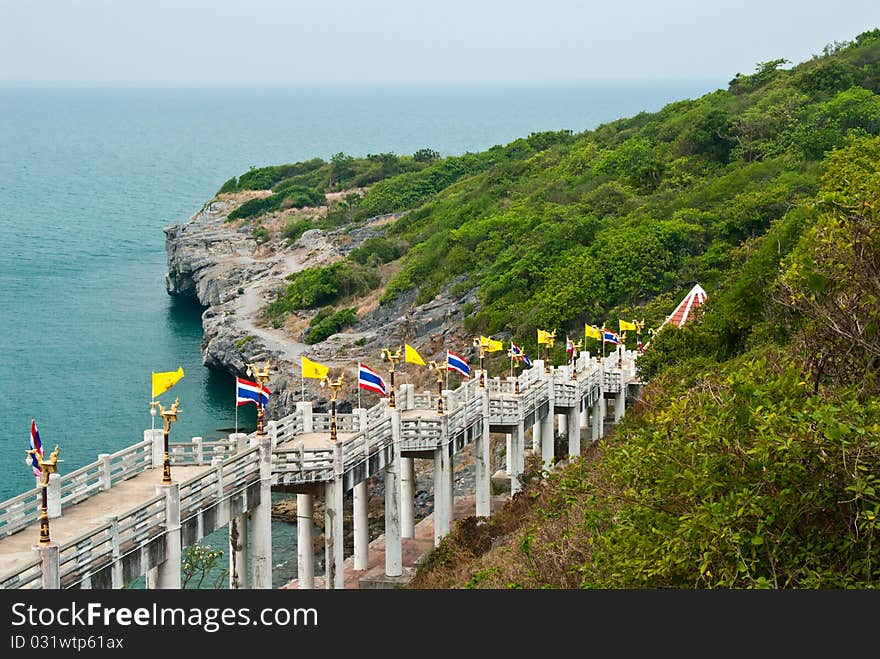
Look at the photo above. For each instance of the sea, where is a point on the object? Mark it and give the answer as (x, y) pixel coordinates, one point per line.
(89, 176)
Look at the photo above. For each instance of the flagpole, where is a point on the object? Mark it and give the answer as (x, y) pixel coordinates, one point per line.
(152, 400)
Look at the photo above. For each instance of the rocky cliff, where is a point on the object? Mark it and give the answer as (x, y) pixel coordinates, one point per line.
(222, 266)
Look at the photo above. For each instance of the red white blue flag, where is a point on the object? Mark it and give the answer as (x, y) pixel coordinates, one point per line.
(457, 364)
(517, 353)
(250, 392)
(370, 380)
(37, 447)
(610, 337)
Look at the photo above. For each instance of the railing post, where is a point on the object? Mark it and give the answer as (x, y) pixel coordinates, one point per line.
(50, 565)
(305, 406)
(410, 396)
(106, 481)
(116, 568)
(217, 464)
(198, 448)
(53, 496)
(155, 438)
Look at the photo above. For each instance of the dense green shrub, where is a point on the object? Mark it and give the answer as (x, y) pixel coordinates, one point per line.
(378, 250)
(327, 322)
(320, 286)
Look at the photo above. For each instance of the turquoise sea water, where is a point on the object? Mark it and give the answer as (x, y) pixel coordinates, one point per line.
(89, 176)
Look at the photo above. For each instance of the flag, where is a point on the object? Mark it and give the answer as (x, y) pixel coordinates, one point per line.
(162, 382)
(37, 448)
(370, 380)
(250, 392)
(546, 337)
(609, 337)
(625, 326)
(411, 356)
(517, 353)
(569, 348)
(490, 345)
(592, 332)
(458, 364)
(312, 369)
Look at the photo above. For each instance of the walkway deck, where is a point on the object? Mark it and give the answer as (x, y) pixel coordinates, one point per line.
(16, 550)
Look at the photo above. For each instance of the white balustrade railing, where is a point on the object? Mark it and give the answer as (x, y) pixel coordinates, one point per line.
(29, 575)
(20, 511)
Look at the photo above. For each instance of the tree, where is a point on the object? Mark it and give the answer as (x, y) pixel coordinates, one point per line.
(426, 155)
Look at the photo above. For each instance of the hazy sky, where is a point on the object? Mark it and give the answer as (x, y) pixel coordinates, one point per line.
(284, 41)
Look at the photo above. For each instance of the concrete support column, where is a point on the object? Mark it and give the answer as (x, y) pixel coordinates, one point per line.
(305, 552)
(508, 454)
(517, 458)
(53, 496)
(620, 402)
(50, 558)
(597, 420)
(115, 553)
(334, 572)
(536, 437)
(584, 415)
(574, 432)
(407, 497)
(441, 482)
(393, 545)
(361, 524)
(238, 552)
(548, 437)
(260, 532)
(151, 579)
(481, 461)
(562, 423)
(168, 576)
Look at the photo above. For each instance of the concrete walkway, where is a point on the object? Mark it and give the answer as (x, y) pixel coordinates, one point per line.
(16, 550)
(414, 549)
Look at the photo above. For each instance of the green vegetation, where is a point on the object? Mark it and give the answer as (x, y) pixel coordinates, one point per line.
(757, 470)
(321, 286)
(378, 250)
(328, 322)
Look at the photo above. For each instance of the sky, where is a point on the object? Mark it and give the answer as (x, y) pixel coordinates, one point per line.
(412, 41)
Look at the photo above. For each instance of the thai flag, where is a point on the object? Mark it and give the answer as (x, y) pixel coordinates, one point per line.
(37, 447)
(370, 380)
(517, 353)
(250, 392)
(457, 364)
(610, 337)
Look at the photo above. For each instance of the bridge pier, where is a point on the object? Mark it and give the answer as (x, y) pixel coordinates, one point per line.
(393, 545)
(260, 535)
(508, 454)
(407, 496)
(518, 443)
(482, 468)
(562, 423)
(548, 439)
(334, 571)
(574, 432)
(50, 565)
(361, 525)
(168, 575)
(305, 551)
(620, 401)
(238, 552)
(238, 534)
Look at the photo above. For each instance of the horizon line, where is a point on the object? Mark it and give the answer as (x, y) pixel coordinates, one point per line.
(356, 83)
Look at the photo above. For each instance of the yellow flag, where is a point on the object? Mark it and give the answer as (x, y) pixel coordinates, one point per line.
(162, 382)
(624, 326)
(546, 337)
(410, 355)
(491, 345)
(592, 332)
(312, 369)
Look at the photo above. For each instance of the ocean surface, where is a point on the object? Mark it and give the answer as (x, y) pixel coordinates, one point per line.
(89, 176)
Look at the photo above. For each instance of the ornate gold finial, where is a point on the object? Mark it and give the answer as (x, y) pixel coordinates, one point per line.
(441, 368)
(393, 357)
(262, 377)
(335, 386)
(169, 415)
(48, 466)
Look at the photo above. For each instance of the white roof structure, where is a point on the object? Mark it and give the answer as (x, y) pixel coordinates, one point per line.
(685, 309)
